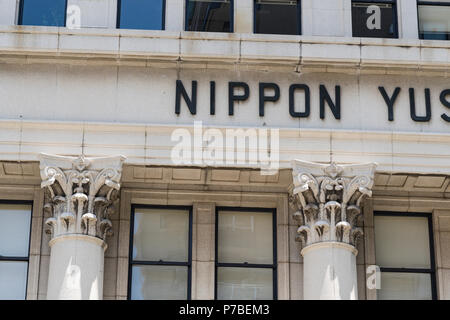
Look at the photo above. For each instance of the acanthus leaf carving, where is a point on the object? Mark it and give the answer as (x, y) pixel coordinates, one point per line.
(80, 193)
(328, 198)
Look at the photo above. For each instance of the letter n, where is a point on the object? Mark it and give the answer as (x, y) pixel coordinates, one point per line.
(334, 106)
(191, 103)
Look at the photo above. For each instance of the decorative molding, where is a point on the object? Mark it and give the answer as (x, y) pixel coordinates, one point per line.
(28, 44)
(399, 154)
(328, 199)
(80, 193)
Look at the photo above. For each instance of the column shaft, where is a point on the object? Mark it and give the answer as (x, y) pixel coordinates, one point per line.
(330, 272)
(76, 268)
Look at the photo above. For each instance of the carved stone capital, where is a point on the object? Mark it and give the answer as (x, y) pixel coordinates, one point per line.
(328, 200)
(80, 193)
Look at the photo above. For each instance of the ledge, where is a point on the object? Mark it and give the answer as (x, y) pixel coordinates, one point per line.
(28, 44)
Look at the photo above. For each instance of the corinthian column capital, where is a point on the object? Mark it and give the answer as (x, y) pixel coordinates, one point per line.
(80, 193)
(328, 199)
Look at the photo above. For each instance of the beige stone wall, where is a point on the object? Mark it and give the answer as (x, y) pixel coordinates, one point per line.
(441, 229)
(204, 189)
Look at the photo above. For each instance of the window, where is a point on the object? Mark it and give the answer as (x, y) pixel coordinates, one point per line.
(434, 20)
(209, 15)
(141, 14)
(404, 252)
(43, 13)
(15, 228)
(277, 17)
(374, 19)
(245, 254)
(160, 253)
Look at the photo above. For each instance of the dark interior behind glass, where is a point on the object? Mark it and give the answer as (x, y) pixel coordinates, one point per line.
(361, 16)
(211, 16)
(276, 17)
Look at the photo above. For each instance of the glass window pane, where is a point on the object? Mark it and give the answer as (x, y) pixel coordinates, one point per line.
(208, 15)
(13, 280)
(159, 283)
(405, 286)
(402, 242)
(277, 17)
(434, 22)
(245, 237)
(244, 284)
(15, 222)
(44, 12)
(141, 14)
(374, 20)
(161, 234)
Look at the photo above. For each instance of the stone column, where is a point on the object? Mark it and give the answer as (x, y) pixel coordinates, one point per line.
(80, 194)
(328, 199)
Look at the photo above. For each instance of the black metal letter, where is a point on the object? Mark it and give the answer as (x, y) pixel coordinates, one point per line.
(232, 97)
(446, 103)
(181, 91)
(390, 101)
(325, 97)
(212, 98)
(263, 98)
(412, 104)
(292, 111)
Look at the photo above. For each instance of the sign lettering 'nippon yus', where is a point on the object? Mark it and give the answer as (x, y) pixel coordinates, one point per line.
(270, 93)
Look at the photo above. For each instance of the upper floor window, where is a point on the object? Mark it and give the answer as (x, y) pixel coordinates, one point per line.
(434, 20)
(160, 253)
(246, 257)
(374, 19)
(277, 16)
(209, 15)
(141, 14)
(43, 13)
(15, 228)
(404, 252)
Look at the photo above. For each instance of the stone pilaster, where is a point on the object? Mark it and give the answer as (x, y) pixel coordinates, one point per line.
(328, 199)
(80, 194)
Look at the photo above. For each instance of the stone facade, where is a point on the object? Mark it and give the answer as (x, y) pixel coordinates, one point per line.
(88, 116)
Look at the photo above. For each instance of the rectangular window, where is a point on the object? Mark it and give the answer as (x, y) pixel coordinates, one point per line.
(209, 15)
(43, 13)
(404, 252)
(277, 17)
(434, 20)
(141, 14)
(160, 253)
(246, 254)
(15, 228)
(374, 19)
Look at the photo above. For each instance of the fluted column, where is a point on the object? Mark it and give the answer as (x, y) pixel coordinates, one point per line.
(80, 194)
(328, 199)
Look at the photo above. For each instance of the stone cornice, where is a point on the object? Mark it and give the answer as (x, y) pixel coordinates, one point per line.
(26, 44)
(80, 193)
(411, 153)
(329, 199)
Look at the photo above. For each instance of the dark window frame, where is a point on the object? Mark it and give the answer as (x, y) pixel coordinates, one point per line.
(299, 16)
(163, 21)
(432, 270)
(20, 18)
(132, 262)
(428, 3)
(231, 18)
(27, 258)
(395, 19)
(273, 266)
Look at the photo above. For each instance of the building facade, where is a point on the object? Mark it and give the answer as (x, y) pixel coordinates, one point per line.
(244, 149)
